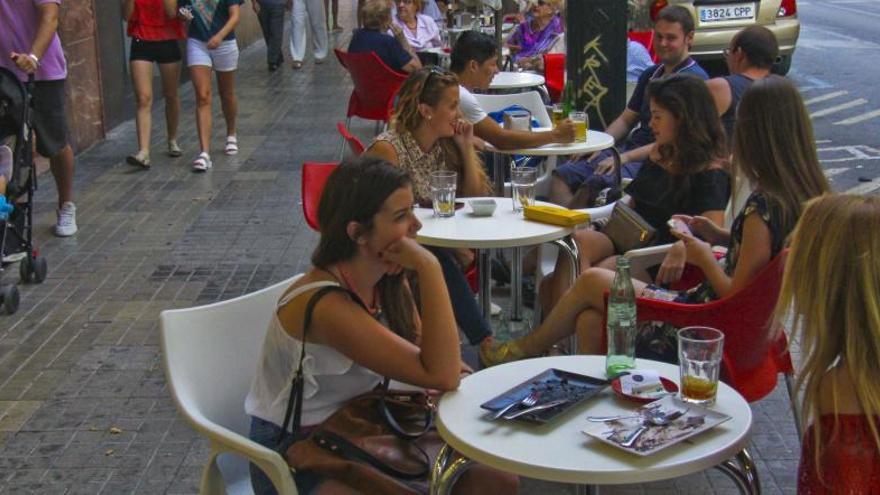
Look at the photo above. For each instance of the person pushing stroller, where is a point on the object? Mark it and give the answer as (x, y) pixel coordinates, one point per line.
(29, 45)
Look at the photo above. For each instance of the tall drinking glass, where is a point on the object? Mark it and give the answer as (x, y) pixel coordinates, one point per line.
(443, 184)
(699, 361)
(579, 119)
(522, 180)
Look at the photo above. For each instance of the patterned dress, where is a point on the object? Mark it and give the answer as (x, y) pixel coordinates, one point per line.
(658, 340)
(417, 163)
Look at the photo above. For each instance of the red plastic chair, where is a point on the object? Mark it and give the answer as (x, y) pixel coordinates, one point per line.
(751, 359)
(554, 74)
(355, 144)
(375, 85)
(314, 177)
(646, 38)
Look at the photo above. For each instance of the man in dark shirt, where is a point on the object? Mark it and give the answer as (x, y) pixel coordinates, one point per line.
(376, 17)
(673, 35)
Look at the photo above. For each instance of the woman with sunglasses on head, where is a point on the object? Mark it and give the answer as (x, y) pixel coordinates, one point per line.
(540, 33)
(427, 134)
(373, 328)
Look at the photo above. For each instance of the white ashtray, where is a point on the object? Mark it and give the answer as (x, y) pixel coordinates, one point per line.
(483, 207)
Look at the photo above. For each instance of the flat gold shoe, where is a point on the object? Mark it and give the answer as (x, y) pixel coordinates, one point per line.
(492, 352)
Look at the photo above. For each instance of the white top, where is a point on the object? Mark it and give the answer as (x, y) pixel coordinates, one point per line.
(469, 106)
(558, 451)
(516, 80)
(426, 35)
(505, 228)
(331, 379)
(596, 140)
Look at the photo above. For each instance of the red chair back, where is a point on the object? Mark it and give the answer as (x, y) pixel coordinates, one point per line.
(375, 85)
(357, 147)
(554, 74)
(752, 359)
(314, 177)
(646, 38)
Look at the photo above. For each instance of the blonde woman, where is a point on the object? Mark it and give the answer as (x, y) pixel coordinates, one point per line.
(830, 290)
(428, 134)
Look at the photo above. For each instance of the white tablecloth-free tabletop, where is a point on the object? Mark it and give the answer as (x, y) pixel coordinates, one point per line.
(516, 80)
(504, 229)
(596, 140)
(558, 451)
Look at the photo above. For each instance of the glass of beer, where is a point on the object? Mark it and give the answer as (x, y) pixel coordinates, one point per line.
(557, 114)
(522, 181)
(443, 183)
(580, 125)
(699, 362)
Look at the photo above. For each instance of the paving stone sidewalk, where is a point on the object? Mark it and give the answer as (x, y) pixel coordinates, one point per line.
(83, 402)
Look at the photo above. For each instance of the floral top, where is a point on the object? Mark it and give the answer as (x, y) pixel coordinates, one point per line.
(418, 164)
(535, 42)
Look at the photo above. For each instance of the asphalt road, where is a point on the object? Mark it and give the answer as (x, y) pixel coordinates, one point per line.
(837, 68)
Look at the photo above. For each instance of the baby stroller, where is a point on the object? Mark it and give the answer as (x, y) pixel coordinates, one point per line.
(16, 232)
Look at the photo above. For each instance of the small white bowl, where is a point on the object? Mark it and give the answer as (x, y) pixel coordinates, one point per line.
(483, 207)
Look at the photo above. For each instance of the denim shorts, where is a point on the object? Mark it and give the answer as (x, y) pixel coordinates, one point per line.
(266, 434)
(575, 173)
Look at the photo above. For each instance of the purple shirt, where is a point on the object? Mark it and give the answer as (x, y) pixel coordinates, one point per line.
(19, 20)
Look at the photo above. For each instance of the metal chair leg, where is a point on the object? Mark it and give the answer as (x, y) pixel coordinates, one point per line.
(448, 467)
(741, 469)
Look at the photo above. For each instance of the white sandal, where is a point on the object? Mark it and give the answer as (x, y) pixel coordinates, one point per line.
(231, 145)
(202, 163)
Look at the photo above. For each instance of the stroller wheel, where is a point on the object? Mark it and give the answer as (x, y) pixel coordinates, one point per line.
(41, 268)
(33, 269)
(9, 295)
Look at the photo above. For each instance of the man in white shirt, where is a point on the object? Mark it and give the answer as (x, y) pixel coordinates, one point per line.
(475, 62)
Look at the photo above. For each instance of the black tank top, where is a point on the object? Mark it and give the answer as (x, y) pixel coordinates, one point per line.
(738, 85)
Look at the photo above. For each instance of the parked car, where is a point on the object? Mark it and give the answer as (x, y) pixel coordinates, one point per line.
(718, 20)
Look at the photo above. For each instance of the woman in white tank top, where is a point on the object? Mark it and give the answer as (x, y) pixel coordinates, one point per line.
(367, 242)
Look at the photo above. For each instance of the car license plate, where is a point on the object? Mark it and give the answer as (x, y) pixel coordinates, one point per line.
(723, 13)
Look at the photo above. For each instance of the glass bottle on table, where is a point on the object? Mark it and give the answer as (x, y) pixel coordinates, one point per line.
(568, 103)
(621, 322)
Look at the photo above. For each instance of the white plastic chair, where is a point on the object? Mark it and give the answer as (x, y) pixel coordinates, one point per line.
(532, 102)
(210, 354)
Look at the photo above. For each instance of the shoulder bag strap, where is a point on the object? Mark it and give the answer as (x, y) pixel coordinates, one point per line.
(294, 403)
(395, 425)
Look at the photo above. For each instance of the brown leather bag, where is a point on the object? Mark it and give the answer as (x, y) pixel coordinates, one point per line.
(382, 442)
(627, 229)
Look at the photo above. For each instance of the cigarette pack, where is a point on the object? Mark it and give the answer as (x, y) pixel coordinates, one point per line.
(556, 215)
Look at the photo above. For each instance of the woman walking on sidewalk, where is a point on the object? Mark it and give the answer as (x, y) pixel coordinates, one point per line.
(314, 9)
(271, 16)
(154, 39)
(211, 46)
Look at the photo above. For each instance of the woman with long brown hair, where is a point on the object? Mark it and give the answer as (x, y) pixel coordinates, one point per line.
(427, 134)
(775, 150)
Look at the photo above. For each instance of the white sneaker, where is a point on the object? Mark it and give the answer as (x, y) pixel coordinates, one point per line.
(66, 225)
(202, 163)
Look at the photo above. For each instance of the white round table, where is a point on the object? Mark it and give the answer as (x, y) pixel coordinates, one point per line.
(596, 141)
(516, 80)
(504, 229)
(559, 452)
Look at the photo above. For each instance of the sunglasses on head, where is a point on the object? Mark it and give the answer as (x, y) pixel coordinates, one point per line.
(432, 71)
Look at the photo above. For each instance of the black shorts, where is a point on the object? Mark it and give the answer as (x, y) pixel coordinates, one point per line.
(161, 52)
(48, 119)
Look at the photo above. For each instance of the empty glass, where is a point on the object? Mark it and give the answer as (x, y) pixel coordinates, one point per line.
(443, 184)
(522, 181)
(699, 361)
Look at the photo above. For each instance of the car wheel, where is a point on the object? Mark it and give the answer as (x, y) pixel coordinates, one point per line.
(782, 65)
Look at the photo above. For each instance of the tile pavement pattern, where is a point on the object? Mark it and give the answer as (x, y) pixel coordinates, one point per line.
(83, 402)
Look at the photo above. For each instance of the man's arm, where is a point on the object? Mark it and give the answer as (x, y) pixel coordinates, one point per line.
(489, 131)
(48, 23)
(619, 129)
(127, 9)
(720, 91)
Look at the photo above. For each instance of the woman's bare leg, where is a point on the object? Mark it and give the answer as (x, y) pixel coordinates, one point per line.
(228, 101)
(142, 81)
(592, 247)
(201, 79)
(170, 74)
